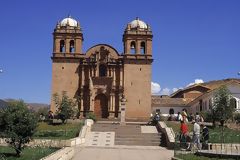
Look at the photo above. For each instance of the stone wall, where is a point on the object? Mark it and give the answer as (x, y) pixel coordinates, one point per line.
(62, 154)
(168, 132)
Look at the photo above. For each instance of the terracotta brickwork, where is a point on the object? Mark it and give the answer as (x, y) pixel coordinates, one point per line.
(99, 78)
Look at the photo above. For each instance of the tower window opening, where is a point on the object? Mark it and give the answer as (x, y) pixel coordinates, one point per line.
(133, 47)
(62, 46)
(102, 70)
(72, 46)
(142, 48)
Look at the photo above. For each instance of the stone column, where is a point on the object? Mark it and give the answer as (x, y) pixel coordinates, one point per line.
(111, 102)
(83, 76)
(111, 111)
(93, 70)
(108, 71)
(114, 76)
(119, 108)
(81, 106)
(138, 45)
(121, 76)
(113, 106)
(67, 46)
(123, 111)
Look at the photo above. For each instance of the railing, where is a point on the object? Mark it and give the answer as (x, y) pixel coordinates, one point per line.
(218, 146)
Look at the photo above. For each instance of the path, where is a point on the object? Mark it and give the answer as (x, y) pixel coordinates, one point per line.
(116, 142)
(122, 153)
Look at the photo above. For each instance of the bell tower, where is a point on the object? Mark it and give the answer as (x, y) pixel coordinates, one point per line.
(137, 38)
(67, 37)
(137, 58)
(67, 51)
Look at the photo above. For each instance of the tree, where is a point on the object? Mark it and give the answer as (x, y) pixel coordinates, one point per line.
(17, 125)
(222, 107)
(65, 106)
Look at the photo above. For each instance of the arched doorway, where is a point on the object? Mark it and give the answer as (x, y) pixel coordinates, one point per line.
(233, 102)
(101, 106)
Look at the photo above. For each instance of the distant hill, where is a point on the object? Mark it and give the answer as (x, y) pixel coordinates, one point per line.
(37, 106)
(3, 104)
(31, 106)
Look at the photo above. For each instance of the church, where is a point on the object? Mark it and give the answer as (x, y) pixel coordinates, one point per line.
(101, 76)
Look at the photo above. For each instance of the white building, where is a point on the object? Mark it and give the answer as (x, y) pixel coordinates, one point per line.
(196, 98)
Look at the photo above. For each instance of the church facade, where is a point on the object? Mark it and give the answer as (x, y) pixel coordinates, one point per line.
(100, 77)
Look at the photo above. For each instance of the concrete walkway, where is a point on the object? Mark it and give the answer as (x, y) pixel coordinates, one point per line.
(122, 153)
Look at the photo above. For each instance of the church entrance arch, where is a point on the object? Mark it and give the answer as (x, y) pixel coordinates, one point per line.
(101, 106)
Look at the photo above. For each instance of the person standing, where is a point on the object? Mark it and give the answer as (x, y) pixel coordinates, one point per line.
(205, 137)
(184, 115)
(179, 117)
(197, 117)
(196, 134)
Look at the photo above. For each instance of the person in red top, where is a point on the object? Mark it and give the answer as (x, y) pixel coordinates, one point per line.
(184, 128)
(184, 135)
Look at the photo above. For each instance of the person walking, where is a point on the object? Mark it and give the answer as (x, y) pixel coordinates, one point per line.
(196, 134)
(184, 135)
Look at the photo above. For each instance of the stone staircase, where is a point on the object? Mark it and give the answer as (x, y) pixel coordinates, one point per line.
(129, 134)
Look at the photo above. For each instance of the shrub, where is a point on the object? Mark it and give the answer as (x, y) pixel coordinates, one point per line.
(18, 125)
(65, 106)
(92, 116)
(237, 118)
(207, 116)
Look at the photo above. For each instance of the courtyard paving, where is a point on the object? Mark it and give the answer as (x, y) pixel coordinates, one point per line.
(123, 153)
(101, 143)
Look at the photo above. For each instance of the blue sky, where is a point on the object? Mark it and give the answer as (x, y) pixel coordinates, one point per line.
(193, 39)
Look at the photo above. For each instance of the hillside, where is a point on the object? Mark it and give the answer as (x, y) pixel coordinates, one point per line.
(3, 104)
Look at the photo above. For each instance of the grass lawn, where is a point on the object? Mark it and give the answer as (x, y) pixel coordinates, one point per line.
(229, 135)
(195, 157)
(8, 153)
(62, 131)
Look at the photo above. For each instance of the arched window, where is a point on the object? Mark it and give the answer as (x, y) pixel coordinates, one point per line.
(133, 47)
(233, 102)
(142, 48)
(62, 46)
(102, 70)
(72, 46)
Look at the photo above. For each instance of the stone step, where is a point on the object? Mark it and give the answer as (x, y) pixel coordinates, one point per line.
(137, 143)
(129, 134)
(134, 136)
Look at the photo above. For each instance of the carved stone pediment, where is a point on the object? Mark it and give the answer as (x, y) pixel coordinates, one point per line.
(102, 53)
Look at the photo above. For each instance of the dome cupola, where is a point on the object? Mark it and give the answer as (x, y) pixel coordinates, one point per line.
(137, 24)
(68, 22)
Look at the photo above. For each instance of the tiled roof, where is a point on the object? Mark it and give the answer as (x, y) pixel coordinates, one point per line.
(167, 101)
(217, 83)
(209, 85)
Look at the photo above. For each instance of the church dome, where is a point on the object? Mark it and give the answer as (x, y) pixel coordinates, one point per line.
(137, 23)
(69, 21)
